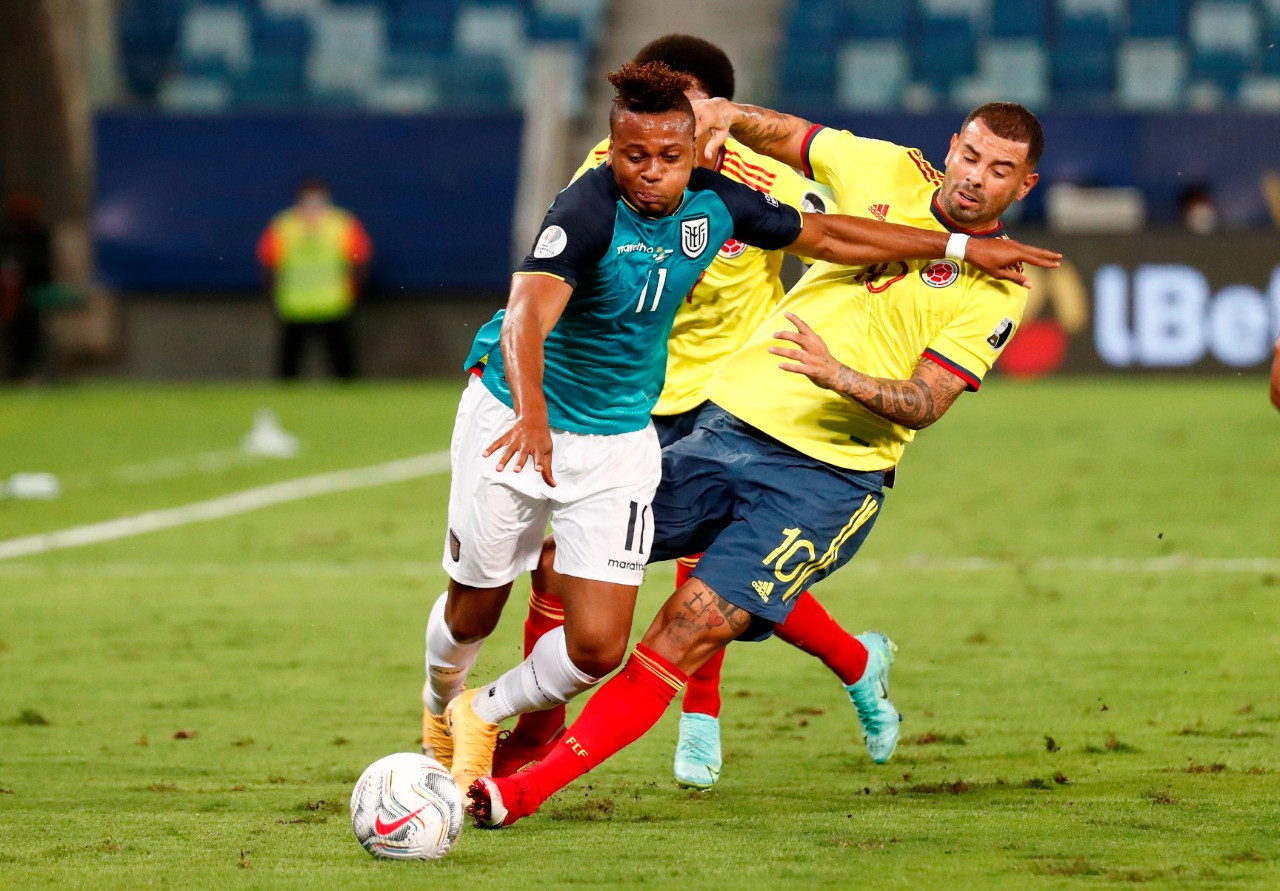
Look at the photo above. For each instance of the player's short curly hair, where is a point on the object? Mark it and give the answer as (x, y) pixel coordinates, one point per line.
(1011, 121)
(649, 88)
(701, 59)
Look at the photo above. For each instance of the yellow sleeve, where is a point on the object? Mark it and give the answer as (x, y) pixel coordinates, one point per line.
(848, 164)
(802, 194)
(972, 341)
(594, 158)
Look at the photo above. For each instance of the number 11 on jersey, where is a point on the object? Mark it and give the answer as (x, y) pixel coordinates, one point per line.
(657, 291)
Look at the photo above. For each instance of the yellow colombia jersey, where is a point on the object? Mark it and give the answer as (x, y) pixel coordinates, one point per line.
(878, 319)
(738, 289)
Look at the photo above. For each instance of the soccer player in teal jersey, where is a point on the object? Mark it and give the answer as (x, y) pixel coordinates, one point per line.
(572, 368)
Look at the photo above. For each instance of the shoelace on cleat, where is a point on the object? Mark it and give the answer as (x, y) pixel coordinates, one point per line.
(698, 747)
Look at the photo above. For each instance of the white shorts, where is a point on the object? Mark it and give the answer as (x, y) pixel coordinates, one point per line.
(599, 509)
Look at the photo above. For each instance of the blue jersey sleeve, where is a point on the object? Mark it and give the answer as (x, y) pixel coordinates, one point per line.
(577, 229)
(759, 219)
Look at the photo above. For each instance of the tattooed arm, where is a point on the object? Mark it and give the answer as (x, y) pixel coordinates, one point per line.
(780, 136)
(914, 403)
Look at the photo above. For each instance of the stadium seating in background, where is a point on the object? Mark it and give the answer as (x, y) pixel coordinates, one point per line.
(1083, 57)
(1260, 92)
(872, 75)
(1224, 37)
(388, 55)
(944, 52)
(348, 44)
(1158, 19)
(485, 34)
(285, 8)
(417, 55)
(216, 31)
(873, 18)
(1151, 73)
(1013, 69)
(1020, 18)
(1093, 54)
(148, 33)
(807, 72)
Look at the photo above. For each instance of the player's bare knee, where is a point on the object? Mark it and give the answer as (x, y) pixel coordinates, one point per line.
(597, 655)
(472, 613)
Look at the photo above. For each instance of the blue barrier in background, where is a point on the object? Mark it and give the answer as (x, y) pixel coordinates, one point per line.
(181, 200)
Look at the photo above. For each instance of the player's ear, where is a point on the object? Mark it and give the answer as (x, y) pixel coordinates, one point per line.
(608, 154)
(1027, 185)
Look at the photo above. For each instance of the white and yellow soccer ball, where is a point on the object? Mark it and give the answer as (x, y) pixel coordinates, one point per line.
(407, 807)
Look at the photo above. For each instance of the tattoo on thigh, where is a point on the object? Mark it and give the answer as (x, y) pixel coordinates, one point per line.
(704, 610)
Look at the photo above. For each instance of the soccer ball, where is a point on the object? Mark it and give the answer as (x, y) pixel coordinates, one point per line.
(406, 807)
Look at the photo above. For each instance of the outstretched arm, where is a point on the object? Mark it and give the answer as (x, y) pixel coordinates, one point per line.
(857, 242)
(914, 403)
(780, 136)
(533, 308)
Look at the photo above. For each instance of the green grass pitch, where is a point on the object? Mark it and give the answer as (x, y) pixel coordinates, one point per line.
(1083, 578)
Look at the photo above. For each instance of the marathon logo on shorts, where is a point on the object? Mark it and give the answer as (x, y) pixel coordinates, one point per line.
(940, 273)
(626, 564)
(694, 235)
(455, 546)
(1000, 336)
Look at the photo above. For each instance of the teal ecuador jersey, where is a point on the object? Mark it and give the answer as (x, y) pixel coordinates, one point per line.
(606, 356)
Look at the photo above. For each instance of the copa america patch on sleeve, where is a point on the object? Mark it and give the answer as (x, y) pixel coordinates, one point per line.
(1000, 336)
(812, 202)
(551, 243)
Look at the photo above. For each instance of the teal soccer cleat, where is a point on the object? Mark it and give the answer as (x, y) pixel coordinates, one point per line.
(870, 696)
(698, 752)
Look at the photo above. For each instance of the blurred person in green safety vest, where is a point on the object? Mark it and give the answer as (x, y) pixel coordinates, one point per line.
(315, 256)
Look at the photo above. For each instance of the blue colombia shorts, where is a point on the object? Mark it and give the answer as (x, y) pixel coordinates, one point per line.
(673, 428)
(771, 521)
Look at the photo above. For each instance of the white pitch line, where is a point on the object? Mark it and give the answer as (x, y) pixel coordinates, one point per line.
(228, 505)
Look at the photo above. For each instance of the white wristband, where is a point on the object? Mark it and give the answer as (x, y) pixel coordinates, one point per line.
(956, 245)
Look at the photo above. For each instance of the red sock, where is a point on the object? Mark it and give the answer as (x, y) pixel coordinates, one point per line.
(811, 628)
(702, 693)
(618, 714)
(546, 613)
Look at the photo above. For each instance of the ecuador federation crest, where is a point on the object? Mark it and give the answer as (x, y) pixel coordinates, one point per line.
(694, 235)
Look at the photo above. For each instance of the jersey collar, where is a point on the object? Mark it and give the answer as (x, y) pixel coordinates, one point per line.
(951, 226)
